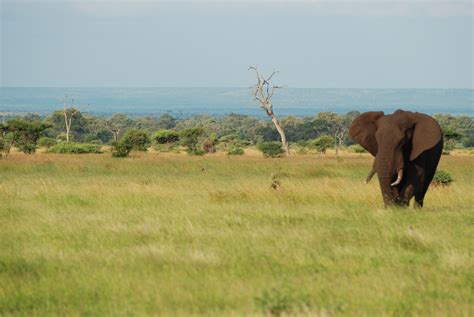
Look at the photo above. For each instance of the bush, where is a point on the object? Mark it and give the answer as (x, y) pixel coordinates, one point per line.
(75, 148)
(166, 137)
(322, 143)
(47, 142)
(190, 138)
(136, 139)
(121, 149)
(357, 148)
(209, 145)
(442, 178)
(271, 149)
(236, 151)
(449, 145)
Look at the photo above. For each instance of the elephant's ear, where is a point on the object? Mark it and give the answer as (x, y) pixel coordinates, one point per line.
(426, 135)
(363, 130)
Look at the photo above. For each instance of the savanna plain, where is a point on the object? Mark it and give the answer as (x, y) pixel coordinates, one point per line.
(178, 235)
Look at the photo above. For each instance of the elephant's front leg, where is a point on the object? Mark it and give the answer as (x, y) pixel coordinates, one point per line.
(406, 194)
(398, 194)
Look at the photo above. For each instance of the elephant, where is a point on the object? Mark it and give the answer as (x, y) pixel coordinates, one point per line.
(407, 147)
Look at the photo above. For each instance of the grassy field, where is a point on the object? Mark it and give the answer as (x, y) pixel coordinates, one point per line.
(174, 235)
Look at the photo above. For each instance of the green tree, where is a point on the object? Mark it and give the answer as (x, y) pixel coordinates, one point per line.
(121, 149)
(190, 138)
(68, 121)
(117, 124)
(6, 140)
(165, 140)
(47, 142)
(137, 139)
(26, 134)
(322, 143)
(209, 145)
(166, 136)
(271, 149)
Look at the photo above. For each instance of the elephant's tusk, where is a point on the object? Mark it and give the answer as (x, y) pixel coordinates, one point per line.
(370, 175)
(399, 178)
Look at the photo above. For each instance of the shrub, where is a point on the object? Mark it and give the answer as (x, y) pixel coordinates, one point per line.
(322, 143)
(121, 149)
(136, 139)
(75, 148)
(442, 178)
(209, 145)
(357, 148)
(235, 151)
(47, 142)
(271, 149)
(190, 138)
(449, 145)
(166, 137)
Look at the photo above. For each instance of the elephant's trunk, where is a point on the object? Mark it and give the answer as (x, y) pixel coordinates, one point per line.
(387, 193)
(385, 181)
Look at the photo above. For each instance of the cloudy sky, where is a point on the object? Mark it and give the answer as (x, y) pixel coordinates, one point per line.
(327, 44)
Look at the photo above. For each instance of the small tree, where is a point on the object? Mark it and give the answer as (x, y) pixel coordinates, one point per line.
(26, 134)
(117, 124)
(166, 136)
(322, 143)
(6, 140)
(209, 145)
(263, 94)
(190, 139)
(137, 139)
(165, 139)
(121, 149)
(271, 149)
(47, 142)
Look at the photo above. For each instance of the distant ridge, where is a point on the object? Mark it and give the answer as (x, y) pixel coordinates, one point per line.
(185, 102)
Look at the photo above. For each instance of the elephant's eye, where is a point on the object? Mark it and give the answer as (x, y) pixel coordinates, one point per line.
(401, 143)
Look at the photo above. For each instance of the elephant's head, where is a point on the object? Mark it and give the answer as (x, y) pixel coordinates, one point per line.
(394, 140)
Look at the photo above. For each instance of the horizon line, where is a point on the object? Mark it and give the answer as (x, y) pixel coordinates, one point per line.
(238, 87)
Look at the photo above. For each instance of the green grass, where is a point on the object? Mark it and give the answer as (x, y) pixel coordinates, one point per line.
(176, 235)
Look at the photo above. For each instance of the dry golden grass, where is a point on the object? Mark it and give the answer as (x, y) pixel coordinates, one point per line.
(170, 234)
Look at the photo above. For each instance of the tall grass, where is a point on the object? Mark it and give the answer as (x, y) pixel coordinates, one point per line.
(170, 234)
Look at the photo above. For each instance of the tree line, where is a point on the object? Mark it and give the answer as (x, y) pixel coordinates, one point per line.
(198, 134)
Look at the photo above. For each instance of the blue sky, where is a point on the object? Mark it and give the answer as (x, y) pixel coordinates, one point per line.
(313, 43)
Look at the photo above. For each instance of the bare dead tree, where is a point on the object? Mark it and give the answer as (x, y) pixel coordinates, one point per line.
(340, 132)
(69, 113)
(263, 94)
